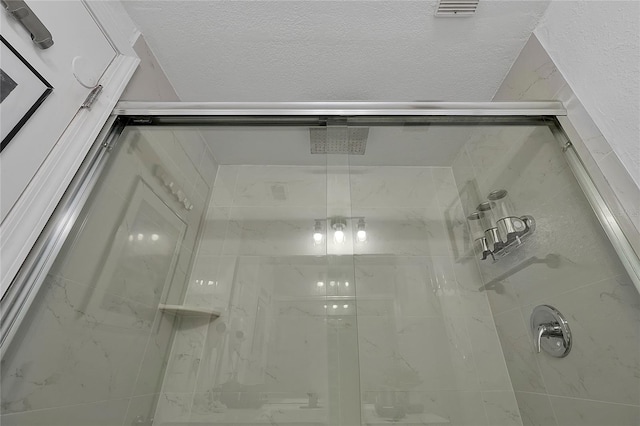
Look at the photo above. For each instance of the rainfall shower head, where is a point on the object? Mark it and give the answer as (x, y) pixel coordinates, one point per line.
(338, 140)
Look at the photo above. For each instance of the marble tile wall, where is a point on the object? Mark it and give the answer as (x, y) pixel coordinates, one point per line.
(534, 76)
(398, 318)
(568, 263)
(93, 346)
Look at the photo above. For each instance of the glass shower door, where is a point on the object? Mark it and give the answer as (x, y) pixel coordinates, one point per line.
(94, 342)
(325, 273)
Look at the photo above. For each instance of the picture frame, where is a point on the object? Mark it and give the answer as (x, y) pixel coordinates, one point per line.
(22, 91)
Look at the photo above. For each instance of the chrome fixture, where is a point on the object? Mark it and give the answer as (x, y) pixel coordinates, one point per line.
(550, 331)
(338, 138)
(477, 233)
(495, 229)
(22, 13)
(338, 225)
(361, 234)
(318, 235)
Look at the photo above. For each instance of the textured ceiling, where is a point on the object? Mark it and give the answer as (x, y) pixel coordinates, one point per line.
(325, 50)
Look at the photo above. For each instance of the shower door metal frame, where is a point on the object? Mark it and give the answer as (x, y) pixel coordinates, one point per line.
(349, 109)
(25, 285)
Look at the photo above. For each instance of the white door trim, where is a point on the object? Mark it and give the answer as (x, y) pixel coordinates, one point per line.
(27, 218)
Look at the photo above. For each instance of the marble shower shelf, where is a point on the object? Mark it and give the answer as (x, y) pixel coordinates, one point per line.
(189, 311)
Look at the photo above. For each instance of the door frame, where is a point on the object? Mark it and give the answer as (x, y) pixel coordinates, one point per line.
(26, 280)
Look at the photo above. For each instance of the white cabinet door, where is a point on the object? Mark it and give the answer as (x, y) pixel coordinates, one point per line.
(77, 37)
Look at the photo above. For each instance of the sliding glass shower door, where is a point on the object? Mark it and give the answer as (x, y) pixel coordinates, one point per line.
(326, 271)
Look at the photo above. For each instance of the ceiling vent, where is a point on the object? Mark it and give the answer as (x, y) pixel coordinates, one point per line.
(457, 8)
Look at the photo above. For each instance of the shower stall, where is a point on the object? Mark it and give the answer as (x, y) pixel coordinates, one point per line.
(327, 264)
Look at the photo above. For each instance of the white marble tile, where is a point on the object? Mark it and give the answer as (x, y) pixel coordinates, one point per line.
(454, 408)
(397, 286)
(487, 351)
(186, 143)
(209, 285)
(500, 292)
(526, 161)
(140, 407)
(580, 412)
(415, 354)
(305, 277)
(392, 187)
(186, 354)
(214, 231)
(444, 284)
(535, 409)
(517, 345)
(407, 286)
(466, 183)
(338, 186)
(212, 354)
(532, 77)
(473, 297)
(173, 407)
(452, 211)
(626, 222)
(604, 363)
(281, 186)
(79, 346)
(156, 355)
(623, 185)
(344, 369)
(587, 130)
(163, 149)
(318, 308)
(273, 231)
(284, 409)
(192, 143)
(175, 293)
(199, 195)
(445, 185)
(224, 186)
(569, 249)
(297, 356)
(81, 259)
(208, 167)
(103, 413)
(501, 408)
(493, 150)
(403, 232)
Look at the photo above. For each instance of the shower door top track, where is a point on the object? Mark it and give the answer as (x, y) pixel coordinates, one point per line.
(305, 109)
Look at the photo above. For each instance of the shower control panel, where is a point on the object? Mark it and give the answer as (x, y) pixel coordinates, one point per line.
(550, 331)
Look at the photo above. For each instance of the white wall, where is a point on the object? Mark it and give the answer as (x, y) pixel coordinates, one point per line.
(39, 163)
(75, 34)
(596, 47)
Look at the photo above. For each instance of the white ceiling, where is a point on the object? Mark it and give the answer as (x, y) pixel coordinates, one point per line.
(334, 50)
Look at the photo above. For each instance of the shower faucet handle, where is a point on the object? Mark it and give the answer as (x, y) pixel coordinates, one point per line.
(548, 322)
(547, 330)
